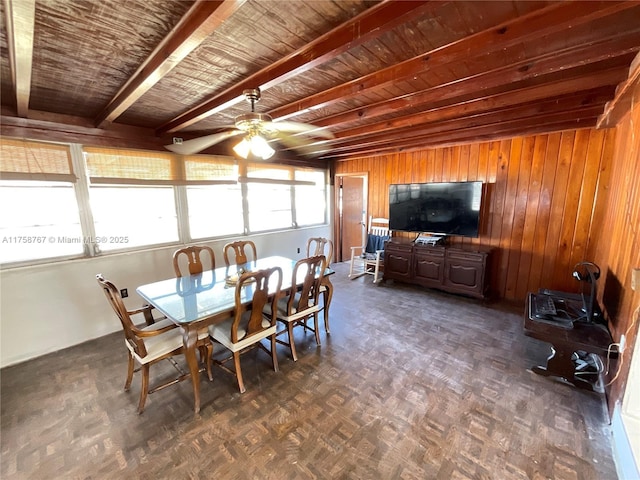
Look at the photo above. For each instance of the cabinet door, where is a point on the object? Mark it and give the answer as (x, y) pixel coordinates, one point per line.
(428, 268)
(464, 273)
(397, 264)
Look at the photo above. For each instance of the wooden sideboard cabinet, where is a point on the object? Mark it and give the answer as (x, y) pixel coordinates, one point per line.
(460, 270)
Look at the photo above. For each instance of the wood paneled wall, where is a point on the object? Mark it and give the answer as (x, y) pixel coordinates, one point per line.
(619, 247)
(543, 207)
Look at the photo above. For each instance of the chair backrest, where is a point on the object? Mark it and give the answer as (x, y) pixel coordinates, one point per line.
(379, 226)
(378, 234)
(194, 255)
(320, 246)
(266, 285)
(239, 249)
(310, 272)
(115, 300)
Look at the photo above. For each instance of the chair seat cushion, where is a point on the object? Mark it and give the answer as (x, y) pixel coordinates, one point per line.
(221, 332)
(161, 344)
(295, 314)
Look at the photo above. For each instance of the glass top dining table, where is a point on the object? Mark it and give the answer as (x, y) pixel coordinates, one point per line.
(196, 301)
(210, 293)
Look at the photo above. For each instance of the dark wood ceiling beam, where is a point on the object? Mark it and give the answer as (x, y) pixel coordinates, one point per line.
(371, 23)
(61, 129)
(542, 68)
(516, 128)
(20, 30)
(627, 93)
(540, 23)
(588, 100)
(196, 25)
(492, 102)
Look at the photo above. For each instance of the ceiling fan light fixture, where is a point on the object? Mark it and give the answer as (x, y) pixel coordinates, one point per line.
(261, 148)
(256, 145)
(242, 148)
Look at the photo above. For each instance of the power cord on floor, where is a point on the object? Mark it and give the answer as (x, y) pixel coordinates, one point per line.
(634, 317)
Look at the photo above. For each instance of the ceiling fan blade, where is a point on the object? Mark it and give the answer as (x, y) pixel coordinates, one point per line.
(302, 128)
(189, 147)
(299, 144)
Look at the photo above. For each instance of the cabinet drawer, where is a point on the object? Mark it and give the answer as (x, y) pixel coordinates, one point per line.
(431, 251)
(478, 257)
(399, 247)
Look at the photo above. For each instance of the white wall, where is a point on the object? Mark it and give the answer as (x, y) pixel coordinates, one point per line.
(626, 422)
(49, 307)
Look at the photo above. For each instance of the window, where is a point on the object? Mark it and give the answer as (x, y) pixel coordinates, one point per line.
(39, 217)
(215, 210)
(214, 197)
(310, 198)
(131, 216)
(132, 197)
(269, 197)
(284, 197)
(38, 220)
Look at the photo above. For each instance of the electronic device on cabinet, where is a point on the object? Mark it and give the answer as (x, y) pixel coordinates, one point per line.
(426, 239)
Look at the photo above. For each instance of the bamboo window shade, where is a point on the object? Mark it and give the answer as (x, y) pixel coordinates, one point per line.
(210, 170)
(275, 174)
(117, 166)
(27, 160)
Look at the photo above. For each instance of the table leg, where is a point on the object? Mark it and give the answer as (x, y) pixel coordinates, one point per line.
(328, 295)
(190, 339)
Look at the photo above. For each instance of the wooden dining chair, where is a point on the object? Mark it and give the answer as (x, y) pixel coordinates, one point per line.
(149, 344)
(323, 246)
(241, 250)
(252, 321)
(196, 259)
(302, 302)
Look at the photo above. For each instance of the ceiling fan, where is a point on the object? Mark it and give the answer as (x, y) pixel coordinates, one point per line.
(258, 130)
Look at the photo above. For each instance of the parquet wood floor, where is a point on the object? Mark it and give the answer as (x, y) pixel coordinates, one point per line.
(411, 384)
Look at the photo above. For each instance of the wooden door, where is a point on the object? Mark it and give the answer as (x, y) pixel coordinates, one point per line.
(351, 214)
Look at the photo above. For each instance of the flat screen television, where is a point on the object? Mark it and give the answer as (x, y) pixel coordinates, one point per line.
(451, 208)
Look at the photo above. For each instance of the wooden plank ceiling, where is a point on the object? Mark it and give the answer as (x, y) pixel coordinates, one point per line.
(381, 76)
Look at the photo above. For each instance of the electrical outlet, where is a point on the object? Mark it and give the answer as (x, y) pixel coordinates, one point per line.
(124, 293)
(635, 279)
(621, 343)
